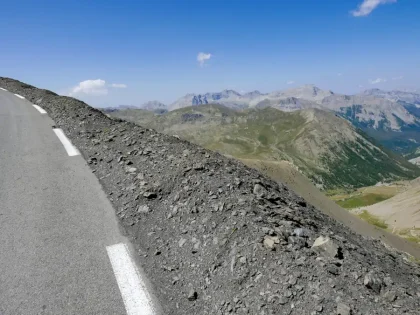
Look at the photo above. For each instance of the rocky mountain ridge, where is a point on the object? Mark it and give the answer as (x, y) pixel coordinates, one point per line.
(391, 117)
(394, 95)
(376, 108)
(216, 237)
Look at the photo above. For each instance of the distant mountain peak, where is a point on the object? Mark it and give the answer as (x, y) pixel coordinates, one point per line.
(373, 91)
(229, 91)
(155, 106)
(252, 93)
(153, 103)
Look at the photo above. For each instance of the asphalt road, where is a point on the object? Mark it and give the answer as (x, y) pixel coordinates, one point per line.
(55, 223)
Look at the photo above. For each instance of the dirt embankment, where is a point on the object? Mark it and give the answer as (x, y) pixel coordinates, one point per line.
(216, 237)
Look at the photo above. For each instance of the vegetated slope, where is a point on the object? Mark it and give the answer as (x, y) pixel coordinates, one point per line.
(217, 237)
(366, 196)
(401, 211)
(324, 147)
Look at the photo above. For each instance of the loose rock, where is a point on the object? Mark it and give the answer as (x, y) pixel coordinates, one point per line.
(373, 281)
(326, 247)
(343, 309)
(143, 209)
(192, 295)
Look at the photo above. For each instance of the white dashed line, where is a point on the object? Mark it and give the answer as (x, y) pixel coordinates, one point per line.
(3, 89)
(71, 149)
(39, 109)
(20, 96)
(133, 290)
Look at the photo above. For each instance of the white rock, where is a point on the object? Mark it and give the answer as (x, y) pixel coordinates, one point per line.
(325, 246)
(343, 309)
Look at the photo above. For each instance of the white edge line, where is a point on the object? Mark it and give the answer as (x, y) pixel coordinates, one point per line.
(136, 299)
(39, 109)
(3, 89)
(20, 96)
(70, 148)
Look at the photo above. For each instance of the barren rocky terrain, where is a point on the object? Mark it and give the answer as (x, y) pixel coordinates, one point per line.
(217, 237)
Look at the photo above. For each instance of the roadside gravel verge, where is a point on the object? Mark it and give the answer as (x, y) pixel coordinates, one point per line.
(216, 237)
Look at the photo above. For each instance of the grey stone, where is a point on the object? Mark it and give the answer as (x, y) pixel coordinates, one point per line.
(192, 295)
(343, 309)
(131, 169)
(301, 232)
(181, 242)
(149, 195)
(373, 282)
(326, 247)
(259, 190)
(270, 241)
(143, 209)
(390, 296)
(198, 166)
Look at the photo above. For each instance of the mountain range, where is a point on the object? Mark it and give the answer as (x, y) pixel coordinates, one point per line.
(321, 144)
(391, 117)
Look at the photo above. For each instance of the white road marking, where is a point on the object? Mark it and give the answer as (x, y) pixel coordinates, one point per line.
(39, 109)
(136, 299)
(71, 149)
(3, 89)
(20, 96)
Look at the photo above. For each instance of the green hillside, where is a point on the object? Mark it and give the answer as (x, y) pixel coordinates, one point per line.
(326, 148)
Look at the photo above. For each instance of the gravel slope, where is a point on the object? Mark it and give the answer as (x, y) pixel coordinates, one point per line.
(216, 237)
(284, 172)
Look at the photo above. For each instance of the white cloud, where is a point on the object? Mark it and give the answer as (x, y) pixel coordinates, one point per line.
(290, 82)
(377, 80)
(94, 87)
(339, 74)
(202, 57)
(398, 78)
(119, 85)
(367, 6)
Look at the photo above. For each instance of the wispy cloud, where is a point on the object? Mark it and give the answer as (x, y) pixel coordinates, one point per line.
(339, 74)
(95, 87)
(290, 82)
(118, 85)
(203, 57)
(377, 80)
(367, 6)
(398, 78)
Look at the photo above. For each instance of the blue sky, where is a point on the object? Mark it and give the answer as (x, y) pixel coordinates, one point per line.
(148, 49)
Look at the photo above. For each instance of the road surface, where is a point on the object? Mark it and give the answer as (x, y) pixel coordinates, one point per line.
(61, 248)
